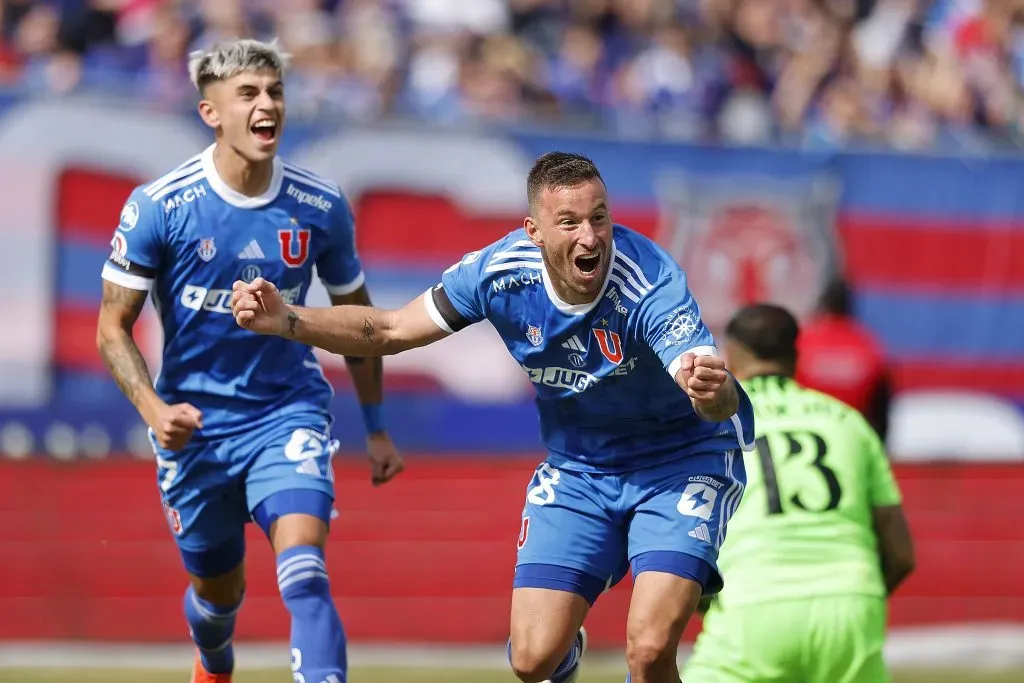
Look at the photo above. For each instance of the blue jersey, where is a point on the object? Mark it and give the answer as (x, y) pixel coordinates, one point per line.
(603, 371)
(187, 237)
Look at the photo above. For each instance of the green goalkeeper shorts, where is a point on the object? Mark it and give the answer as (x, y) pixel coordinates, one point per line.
(830, 639)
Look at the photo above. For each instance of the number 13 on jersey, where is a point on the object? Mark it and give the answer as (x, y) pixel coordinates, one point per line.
(811, 485)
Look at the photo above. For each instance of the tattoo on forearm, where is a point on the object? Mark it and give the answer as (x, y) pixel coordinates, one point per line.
(368, 330)
(126, 365)
(293, 318)
(120, 353)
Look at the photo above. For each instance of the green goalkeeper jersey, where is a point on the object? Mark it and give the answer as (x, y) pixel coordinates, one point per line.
(804, 526)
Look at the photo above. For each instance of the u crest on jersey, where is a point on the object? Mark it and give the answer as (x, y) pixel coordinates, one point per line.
(294, 245)
(610, 344)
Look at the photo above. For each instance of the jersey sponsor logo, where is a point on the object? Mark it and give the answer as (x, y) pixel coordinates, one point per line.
(206, 249)
(534, 335)
(315, 200)
(524, 532)
(511, 281)
(129, 216)
(680, 326)
(563, 378)
(119, 251)
(120, 244)
(576, 360)
(610, 345)
(573, 379)
(294, 245)
(186, 196)
(697, 500)
(613, 295)
(199, 298)
(545, 479)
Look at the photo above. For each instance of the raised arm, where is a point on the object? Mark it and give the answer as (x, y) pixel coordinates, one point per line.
(345, 330)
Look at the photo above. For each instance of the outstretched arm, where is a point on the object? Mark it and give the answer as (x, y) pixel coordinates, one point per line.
(367, 373)
(345, 330)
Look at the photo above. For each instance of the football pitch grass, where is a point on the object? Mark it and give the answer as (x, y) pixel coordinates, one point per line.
(426, 675)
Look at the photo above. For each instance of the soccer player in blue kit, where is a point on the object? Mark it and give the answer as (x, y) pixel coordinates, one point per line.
(640, 418)
(240, 422)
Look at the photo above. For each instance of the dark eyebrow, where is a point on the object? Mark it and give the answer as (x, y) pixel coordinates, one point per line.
(249, 86)
(600, 207)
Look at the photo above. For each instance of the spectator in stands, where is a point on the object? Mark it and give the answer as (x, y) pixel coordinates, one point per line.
(840, 357)
(943, 75)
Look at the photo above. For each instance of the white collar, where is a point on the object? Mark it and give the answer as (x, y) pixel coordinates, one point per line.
(234, 197)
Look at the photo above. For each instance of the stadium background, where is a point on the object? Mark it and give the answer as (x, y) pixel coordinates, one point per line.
(430, 134)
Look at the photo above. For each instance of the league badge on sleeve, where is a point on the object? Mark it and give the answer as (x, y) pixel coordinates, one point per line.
(129, 216)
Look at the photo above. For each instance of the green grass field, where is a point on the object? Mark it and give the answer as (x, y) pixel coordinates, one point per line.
(377, 675)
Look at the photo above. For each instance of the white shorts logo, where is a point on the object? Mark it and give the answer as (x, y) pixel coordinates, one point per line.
(698, 500)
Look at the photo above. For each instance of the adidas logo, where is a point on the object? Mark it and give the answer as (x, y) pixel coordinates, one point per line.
(252, 251)
(574, 344)
(701, 533)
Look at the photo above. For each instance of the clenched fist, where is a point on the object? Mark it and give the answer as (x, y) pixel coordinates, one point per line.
(258, 306)
(704, 375)
(173, 425)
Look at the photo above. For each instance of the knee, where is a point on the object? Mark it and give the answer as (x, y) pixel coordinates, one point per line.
(531, 661)
(650, 653)
(224, 590)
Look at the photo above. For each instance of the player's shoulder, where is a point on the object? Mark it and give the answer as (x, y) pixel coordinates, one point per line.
(641, 261)
(312, 189)
(510, 252)
(153, 194)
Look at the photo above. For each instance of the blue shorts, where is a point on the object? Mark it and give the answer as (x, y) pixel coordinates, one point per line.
(211, 489)
(583, 531)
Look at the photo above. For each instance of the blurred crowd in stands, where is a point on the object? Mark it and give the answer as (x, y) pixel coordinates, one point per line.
(944, 75)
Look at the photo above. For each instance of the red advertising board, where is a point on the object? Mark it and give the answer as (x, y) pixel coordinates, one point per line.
(87, 553)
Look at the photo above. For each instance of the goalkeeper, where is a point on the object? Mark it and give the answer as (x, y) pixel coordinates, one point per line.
(819, 540)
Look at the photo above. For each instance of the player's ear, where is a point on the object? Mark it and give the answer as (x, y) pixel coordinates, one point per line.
(208, 113)
(533, 231)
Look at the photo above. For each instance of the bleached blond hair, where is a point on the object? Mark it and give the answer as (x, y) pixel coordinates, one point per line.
(224, 60)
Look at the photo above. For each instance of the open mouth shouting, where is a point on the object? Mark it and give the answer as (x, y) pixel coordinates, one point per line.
(265, 132)
(587, 267)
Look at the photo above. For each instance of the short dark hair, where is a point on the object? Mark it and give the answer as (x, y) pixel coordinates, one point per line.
(767, 331)
(836, 298)
(559, 169)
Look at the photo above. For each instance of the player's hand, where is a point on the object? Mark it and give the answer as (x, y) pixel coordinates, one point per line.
(258, 306)
(173, 425)
(385, 460)
(704, 376)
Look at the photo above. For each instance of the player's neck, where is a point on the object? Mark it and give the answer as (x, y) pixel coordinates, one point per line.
(570, 296)
(761, 368)
(240, 174)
